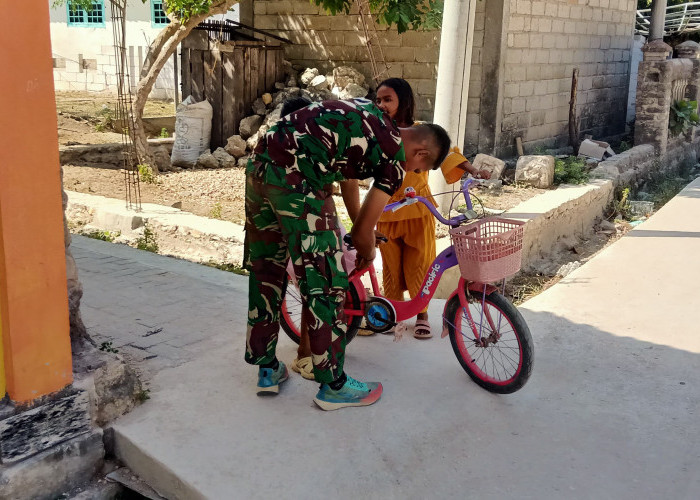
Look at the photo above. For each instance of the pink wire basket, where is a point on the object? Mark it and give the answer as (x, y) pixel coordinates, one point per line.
(489, 249)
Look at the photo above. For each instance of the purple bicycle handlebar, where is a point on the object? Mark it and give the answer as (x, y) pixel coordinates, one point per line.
(455, 221)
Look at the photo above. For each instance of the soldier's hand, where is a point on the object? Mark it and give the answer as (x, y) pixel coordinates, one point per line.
(362, 262)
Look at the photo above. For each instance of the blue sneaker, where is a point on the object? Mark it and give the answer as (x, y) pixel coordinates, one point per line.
(353, 393)
(269, 380)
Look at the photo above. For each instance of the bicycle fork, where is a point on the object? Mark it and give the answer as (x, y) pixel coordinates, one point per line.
(477, 331)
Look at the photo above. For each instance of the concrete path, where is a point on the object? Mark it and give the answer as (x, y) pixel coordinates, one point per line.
(611, 410)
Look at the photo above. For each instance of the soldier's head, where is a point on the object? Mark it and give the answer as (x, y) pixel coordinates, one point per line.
(426, 146)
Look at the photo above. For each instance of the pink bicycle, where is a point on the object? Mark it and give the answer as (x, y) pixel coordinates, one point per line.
(488, 334)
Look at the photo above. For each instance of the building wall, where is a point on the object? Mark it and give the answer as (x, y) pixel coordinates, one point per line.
(527, 95)
(546, 40)
(84, 56)
(323, 41)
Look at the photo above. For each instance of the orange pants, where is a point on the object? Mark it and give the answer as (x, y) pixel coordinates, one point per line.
(407, 256)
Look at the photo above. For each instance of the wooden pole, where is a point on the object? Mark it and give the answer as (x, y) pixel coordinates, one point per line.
(573, 120)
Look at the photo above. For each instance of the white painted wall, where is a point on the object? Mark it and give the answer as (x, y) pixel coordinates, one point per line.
(71, 44)
(635, 58)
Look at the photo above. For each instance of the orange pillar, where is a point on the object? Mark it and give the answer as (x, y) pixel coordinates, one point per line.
(33, 297)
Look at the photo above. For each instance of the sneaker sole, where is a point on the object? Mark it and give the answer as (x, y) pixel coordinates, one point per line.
(273, 389)
(371, 398)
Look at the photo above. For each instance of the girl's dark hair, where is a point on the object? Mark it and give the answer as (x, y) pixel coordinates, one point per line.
(294, 104)
(407, 104)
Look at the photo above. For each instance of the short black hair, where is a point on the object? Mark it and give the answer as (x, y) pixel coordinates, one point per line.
(294, 104)
(442, 139)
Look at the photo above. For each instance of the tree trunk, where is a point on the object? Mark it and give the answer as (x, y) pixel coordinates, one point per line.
(160, 51)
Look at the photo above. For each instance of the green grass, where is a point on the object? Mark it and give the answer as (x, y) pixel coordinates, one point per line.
(101, 235)
(228, 267)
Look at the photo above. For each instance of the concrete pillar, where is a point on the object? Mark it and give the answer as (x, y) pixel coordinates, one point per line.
(657, 20)
(492, 81)
(33, 301)
(454, 66)
(691, 50)
(654, 86)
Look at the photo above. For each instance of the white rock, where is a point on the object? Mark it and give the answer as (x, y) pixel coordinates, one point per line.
(235, 146)
(351, 91)
(345, 75)
(319, 83)
(535, 170)
(308, 75)
(490, 163)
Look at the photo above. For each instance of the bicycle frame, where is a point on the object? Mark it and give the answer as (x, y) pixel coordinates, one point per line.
(447, 259)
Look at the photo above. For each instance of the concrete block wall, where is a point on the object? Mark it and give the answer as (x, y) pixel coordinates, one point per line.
(546, 40)
(324, 41)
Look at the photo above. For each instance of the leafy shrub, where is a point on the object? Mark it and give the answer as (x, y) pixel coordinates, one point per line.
(147, 241)
(684, 114)
(572, 170)
(146, 174)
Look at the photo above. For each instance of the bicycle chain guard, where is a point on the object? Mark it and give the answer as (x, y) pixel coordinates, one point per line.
(380, 315)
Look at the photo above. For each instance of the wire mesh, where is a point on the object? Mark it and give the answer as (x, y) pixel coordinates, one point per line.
(123, 109)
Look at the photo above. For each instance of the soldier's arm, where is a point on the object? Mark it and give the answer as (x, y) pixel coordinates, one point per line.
(350, 189)
(363, 229)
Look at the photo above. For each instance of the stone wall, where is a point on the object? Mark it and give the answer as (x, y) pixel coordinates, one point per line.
(523, 56)
(325, 41)
(546, 40)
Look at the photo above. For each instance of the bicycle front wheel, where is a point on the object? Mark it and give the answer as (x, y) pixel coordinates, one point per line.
(290, 317)
(500, 357)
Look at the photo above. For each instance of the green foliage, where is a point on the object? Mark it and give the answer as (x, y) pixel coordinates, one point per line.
(572, 170)
(664, 187)
(146, 174)
(143, 395)
(164, 134)
(684, 114)
(404, 14)
(624, 146)
(148, 241)
(106, 119)
(228, 267)
(539, 150)
(621, 205)
(107, 347)
(102, 235)
(215, 212)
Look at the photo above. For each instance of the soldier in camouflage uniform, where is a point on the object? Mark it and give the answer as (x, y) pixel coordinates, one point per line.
(291, 213)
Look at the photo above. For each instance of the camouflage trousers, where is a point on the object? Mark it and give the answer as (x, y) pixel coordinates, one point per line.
(282, 224)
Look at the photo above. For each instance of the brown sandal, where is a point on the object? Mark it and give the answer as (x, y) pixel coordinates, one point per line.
(422, 329)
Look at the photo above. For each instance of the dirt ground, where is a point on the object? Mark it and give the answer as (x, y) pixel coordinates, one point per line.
(220, 193)
(81, 114)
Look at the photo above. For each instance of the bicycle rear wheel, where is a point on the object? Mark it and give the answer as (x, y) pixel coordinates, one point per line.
(501, 359)
(290, 318)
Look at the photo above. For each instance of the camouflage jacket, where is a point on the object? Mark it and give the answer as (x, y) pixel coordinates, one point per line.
(331, 141)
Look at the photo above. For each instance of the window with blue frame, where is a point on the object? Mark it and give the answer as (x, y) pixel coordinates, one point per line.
(158, 17)
(95, 17)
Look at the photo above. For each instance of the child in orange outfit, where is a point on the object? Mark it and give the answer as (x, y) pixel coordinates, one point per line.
(410, 248)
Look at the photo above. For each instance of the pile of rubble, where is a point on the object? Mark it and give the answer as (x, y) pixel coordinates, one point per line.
(344, 83)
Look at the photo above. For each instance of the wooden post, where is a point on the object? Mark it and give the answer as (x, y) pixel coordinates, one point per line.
(573, 120)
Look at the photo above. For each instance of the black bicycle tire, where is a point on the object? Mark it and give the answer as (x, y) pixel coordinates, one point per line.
(521, 331)
(353, 326)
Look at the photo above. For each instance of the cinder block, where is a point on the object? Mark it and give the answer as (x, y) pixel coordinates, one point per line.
(278, 7)
(266, 22)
